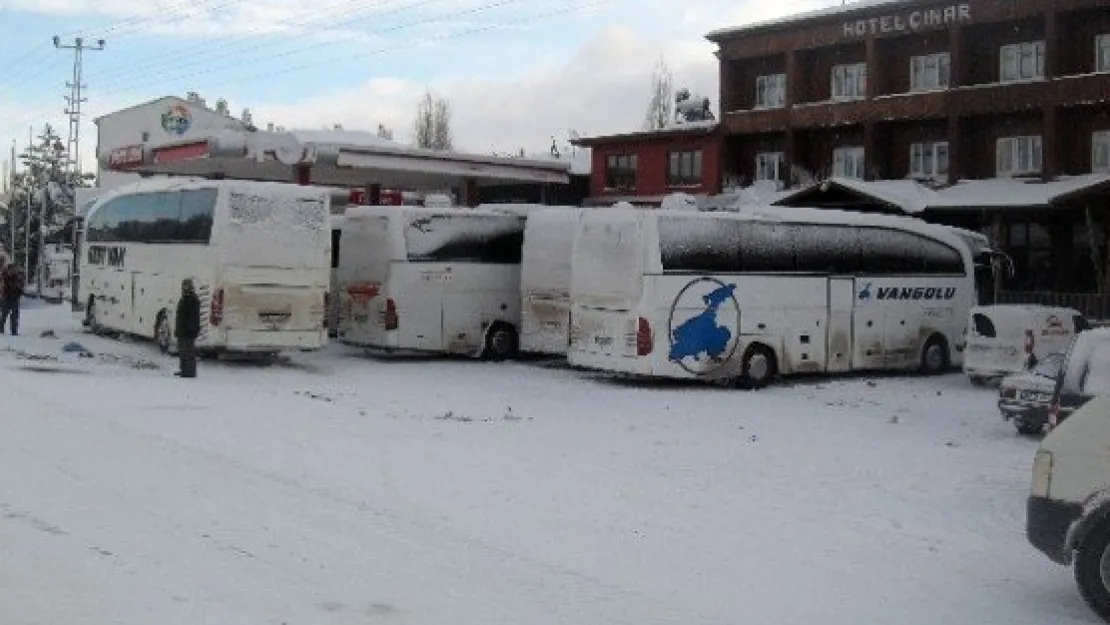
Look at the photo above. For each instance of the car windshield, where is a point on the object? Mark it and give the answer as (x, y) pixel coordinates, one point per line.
(1050, 366)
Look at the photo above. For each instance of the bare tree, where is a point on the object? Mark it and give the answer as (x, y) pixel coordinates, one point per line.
(432, 128)
(660, 109)
(442, 135)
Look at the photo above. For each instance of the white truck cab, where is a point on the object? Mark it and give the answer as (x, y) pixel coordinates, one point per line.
(1010, 338)
(1068, 515)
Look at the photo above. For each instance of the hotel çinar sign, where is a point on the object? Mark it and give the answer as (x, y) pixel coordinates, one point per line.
(909, 21)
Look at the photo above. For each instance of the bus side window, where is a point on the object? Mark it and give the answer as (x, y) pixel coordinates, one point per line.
(891, 252)
(197, 209)
(827, 249)
(941, 259)
(766, 247)
(983, 326)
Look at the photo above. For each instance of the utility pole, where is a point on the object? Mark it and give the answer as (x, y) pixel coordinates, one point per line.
(74, 101)
(27, 215)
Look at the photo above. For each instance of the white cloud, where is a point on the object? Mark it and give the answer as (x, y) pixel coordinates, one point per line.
(602, 88)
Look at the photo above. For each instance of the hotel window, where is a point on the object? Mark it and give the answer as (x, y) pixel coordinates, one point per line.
(929, 160)
(684, 169)
(620, 172)
(770, 166)
(849, 82)
(1018, 155)
(930, 72)
(1100, 151)
(1102, 53)
(770, 91)
(848, 162)
(1021, 61)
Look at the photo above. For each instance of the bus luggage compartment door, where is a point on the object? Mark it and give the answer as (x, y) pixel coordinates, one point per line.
(838, 334)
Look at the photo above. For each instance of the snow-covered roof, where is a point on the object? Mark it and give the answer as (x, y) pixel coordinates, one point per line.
(1015, 192)
(579, 160)
(913, 197)
(352, 138)
(699, 127)
(839, 10)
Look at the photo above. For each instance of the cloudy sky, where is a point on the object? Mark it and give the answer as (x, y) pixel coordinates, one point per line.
(516, 72)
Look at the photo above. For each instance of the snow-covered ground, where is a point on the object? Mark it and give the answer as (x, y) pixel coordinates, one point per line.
(336, 488)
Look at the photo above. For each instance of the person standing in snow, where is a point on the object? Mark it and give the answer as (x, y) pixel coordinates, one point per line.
(11, 292)
(186, 329)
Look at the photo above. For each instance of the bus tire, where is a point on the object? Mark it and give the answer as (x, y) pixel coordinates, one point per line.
(500, 342)
(163, 334)
(1093, 587)
(758, 367)
(934, 356)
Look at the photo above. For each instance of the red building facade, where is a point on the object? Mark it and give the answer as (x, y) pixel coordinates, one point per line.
(644, 167)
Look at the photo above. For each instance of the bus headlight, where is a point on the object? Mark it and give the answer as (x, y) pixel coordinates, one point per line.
(1042, 473)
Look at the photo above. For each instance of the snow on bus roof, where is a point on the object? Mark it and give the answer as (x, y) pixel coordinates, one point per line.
(170, 183)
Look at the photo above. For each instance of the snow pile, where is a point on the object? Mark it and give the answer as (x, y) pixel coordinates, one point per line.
(679, 201)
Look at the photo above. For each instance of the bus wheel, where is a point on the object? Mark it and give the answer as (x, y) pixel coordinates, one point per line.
(162, 332)
(759, 367)
(501, 342)
(934, 357)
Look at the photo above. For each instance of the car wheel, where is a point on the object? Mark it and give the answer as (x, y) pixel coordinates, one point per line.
(1092, 569)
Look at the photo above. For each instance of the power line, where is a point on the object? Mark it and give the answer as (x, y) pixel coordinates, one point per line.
(301, 49)
(207, 52)
(21, 72)
(521, 21)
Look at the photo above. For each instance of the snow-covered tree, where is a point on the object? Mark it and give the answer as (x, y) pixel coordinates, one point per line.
(660, 110)
(432, 128)
(41, 196)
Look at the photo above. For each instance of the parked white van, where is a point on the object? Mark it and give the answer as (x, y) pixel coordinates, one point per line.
(1008, 338)
(545, 280)
(440, 280)
(1068, 512)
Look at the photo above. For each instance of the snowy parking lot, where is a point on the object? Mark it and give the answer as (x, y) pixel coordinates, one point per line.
(339, 488)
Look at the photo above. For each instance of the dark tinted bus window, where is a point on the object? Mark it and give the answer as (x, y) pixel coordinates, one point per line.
(766, 247)
(465, 239)
(700, 245)
(198, 210)
(824, 248)
(891, 252)
(941, 259)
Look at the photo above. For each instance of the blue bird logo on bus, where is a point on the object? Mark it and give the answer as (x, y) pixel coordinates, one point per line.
(704, 341)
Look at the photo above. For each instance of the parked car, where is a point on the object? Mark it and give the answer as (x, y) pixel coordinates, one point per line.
(1025, 397)
(1009, 338)
(1068, 510)
(1086, 374)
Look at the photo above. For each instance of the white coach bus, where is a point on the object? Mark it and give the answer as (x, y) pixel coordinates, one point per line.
(744, 297)
(545, 280)
(439, 280)
(258, 253)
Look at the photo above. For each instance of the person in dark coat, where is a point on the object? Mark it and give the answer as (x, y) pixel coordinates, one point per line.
(11, 292)
(187, 328)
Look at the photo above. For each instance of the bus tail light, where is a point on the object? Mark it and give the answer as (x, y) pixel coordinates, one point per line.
(216, 313)
(644, 339)
(1030, 342)
(390, 317)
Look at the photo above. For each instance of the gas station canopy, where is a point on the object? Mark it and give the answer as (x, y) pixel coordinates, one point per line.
(330, 158)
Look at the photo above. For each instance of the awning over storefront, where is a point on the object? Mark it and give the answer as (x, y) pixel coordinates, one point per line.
(334, 158)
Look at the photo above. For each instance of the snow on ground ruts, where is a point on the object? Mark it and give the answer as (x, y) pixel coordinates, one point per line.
(337, 488)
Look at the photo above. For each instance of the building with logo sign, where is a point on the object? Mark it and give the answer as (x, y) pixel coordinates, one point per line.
(123, 135)
(988, 114)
